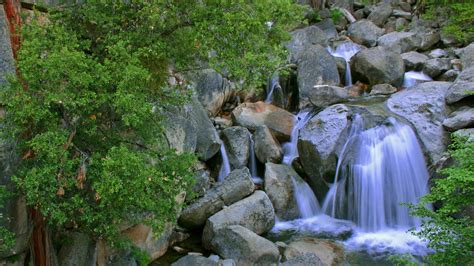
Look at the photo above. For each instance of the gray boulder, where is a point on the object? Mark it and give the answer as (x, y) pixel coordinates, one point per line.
(267, 148)
(202, 178)
(316, 67)
(426, 31)
(462, 118)
(467, 133)
(255, 213)
(252, 115)
(194, 260)
(303, 260)
(329, 252)
(280, 189)
(180, 132)
(425, 108)
(237, 185)
(436, 66)
(318, 142)
(400, 42)
(364, 32)
(208, 142)
(462, 87)
(325, 95)
(77, 251)
(401, 14)
(7, 64)
(414, 60)
(327, 25)
(467, 56)
(212, 90)
(383, 89)
(244, 246)
(380, 14)
(237, 144)
(378, 65)
(450, 75)
(302, 39)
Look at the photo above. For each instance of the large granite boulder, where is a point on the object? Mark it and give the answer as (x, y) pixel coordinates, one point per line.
(237, 144)
(382, 89)
(378, 65)
(380, 14)
(436, 66)
(414, 60)
(467, 56)
(315, 67)
(252, 115)
(365, 32)
(279, 186)
(329, 252)
(462, 88)
(180, 132)
(237, 185)
(400, 42)
(302, 260)
(195, 260)
(211, 89)
(462, 118)
(325, 95)
(302, 39)
(244, 246)
(267, 148)
(78, 250)
(255, 213)
(425, 108)
(318, 144)
(7, 64)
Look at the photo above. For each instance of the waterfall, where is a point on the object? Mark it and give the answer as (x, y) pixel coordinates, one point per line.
(305, 199)
(272, 85)
(252, 164)
(290, 148)
(225, 167)
(380, 168)
(411, 78)
(346, 50)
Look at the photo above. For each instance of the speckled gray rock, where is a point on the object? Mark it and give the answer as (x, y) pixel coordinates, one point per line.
(237, 144)
(467, 133)
(414, 60)
(462, 87)
(380, 14)
(382, 89)
(364, 32)
(7, 64)
(316, 67)
(329, 252)
(237, 185)
(267, 148)
(425, 108)
(302, 39)
(280, 189)
(325, 95)
(436, 66)
(462, 118)
(400, 42)
(467, 56)
(303, 260)
(377, 66)
(244, 246)
(194, 260)
(78, 250)
(255, 213)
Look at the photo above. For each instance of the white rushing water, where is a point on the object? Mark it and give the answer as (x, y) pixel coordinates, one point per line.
(305, 199)
(252, 164)
(384, 168)
(346, 50)
(411, 78)
(272, 85)
(290, 149)
(225, 166)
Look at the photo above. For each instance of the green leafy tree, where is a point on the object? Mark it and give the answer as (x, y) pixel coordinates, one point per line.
(86, 110)
(450, 229)
(7, 238)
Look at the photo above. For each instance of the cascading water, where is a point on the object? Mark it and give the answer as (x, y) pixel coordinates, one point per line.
(305, 199)
(272, 85)
(225, 167)
(290, 148)
(411, 78)
(252, 164)
(346, 50)
(383, 168)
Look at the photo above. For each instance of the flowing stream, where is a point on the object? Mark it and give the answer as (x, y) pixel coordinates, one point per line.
(252, 164)
(411, 78)
(290, 149)
(225, 167)
(272, 85)
(346, 50)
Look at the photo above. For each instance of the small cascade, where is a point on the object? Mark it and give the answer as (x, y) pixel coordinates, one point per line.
(411, 78)
(225, 167)
(252, 165)
(381, 168)
(290, 148)
(346, 50)
(272, 85)
(307, 203)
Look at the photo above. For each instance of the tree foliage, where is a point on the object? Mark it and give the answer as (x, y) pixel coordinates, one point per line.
(85, 112)
(450, 229)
